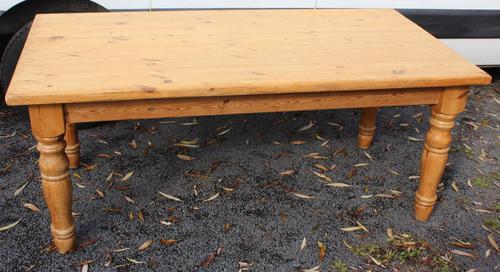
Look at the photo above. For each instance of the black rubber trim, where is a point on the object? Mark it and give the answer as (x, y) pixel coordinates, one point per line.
(465, 24)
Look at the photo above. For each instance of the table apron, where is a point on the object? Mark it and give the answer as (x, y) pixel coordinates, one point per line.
(223, 105)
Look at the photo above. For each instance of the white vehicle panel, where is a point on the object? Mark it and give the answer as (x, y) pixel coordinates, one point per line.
(403, 4)
(482, 52)
(124, 5)
(191, 4)
(7, 4)
(412, 4)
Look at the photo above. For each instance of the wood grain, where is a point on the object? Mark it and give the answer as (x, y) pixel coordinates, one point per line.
(72, 145)
(73, 58)
(437, 144)
(47, 122)
(366, 127)
(202, 106)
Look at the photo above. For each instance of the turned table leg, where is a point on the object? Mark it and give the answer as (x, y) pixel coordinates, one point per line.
(366, 128)
(47, 123)
(72, 145)
(437, 143)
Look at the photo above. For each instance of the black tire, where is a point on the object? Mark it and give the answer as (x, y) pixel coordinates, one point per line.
(11, 55)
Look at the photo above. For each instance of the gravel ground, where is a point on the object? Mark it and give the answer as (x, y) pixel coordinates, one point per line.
(243, 187)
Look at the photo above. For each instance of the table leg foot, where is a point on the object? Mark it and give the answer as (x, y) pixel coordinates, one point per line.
(72, 145)
(366, 128)
(436, 147)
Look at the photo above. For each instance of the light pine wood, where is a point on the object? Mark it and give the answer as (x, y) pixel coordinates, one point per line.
(366, 128)
(436, 147)
(203, 106)
(74, 58)
(47, 123)
(72, 145)
(95, 67)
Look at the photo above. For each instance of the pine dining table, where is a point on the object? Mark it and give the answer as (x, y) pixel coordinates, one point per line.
(92, 67)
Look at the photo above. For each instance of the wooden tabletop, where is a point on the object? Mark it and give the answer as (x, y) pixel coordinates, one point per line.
(145, 55)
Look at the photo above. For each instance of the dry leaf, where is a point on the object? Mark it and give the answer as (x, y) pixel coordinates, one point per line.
(321, 167)
(108, 259)
(224, 132)
(129, 199)
(168, 242)
(145, 245)
(4, 228)
(165, 223)
(193, 123)
(358, 227)
(462, 244)
(210, 258)
(316, 156)
(31, 207)
(99, 193)
(390, 234)
(323, 176)
(308, 126)
(189, 144)
(110, 176)
(169, 196)
(352, 173)
(102, 141)
(287, 172)
(348, 229)
(394, 172)
(487, 253)
(463, 253)
(363, 227)
(322, 251)
(493, 243)
(347, 245)
(304, 196)
(121, 250)
(133, 144)
(384, 196)
(377, 262)
(20, 189)
(303, 244)
(185, 157)
(414, 139)
(127, 176)
(244, 266)
(338, 185)
(298, 142)
(312, 269)
(133, 260)
(89, 167)
(8, 136)
(212, 197)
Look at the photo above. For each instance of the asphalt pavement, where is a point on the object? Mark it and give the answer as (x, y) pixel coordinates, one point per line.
(261, 192)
